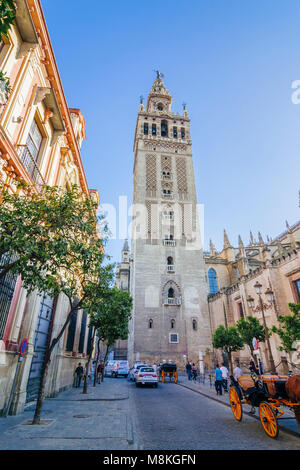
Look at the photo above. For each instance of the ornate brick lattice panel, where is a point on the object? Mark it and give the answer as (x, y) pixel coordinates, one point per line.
(166, 146)
(181, 174)
(151, 180)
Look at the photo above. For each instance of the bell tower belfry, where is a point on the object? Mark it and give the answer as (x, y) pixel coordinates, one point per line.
(167, 280)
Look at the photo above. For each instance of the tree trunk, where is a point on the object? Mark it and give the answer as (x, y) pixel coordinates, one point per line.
(97, 361)
(105, 357)
(40, 399)
(230, 362)
(85, 382)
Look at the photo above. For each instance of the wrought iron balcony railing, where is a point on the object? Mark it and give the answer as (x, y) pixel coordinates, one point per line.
(30, 165)
(172, 301)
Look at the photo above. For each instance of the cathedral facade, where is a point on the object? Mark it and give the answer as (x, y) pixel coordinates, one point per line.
(167, 277)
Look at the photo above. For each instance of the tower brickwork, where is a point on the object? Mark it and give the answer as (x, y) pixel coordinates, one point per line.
(168, 283)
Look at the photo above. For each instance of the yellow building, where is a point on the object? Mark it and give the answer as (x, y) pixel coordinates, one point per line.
(40, 141)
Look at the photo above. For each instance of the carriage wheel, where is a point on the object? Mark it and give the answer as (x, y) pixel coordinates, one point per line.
(268, 419)
(235, 404)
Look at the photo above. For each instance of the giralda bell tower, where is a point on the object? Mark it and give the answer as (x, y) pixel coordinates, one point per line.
(168, 283)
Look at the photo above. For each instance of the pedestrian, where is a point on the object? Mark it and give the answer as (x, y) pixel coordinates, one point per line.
(99, 371)
(155, 367)
(188, 368)
(252, 367)
(237, 371)
(218, 380)
(225, 375)
(260, 366)
(78, 374)
(194, 372)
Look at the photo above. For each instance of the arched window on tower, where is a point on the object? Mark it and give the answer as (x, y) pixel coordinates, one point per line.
(194, 323)
(145, 128)
(182, 132)
(150, 323)
(212, 278)
(153, 129)
(164, 129)
(172, 324)
(170, 260)
(171, 293)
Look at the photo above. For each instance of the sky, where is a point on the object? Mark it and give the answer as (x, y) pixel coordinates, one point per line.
(233, 62)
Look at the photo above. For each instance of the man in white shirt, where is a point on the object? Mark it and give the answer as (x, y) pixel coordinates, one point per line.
(237, 372)
(225, 375)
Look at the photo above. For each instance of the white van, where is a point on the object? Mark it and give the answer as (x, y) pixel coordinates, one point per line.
(117, 368)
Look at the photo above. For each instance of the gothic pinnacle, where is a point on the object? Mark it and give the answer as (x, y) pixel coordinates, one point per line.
(260, 238)
(226, 240)
(213, 251)
(241, 244)
(252, 241)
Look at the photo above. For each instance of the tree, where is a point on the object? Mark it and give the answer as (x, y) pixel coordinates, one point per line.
(289, 329)
(229, 340)
(37, 230)
(250, 328)
(111, 316)
(7, 17)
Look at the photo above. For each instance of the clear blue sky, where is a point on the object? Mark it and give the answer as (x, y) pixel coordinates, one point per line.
(232, 61)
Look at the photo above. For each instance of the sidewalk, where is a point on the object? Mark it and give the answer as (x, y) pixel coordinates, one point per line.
(289, 425)
(98, 420)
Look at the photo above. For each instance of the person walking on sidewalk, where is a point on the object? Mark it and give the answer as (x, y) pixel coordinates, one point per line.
(194, 372)
(78, 373)
(188, 368)
(225, 375)
(218, 380)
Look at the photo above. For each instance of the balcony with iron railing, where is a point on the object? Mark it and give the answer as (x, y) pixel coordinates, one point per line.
(170, 268)
(167, 195)
(172, 301)
(31, 166)
(168, 242)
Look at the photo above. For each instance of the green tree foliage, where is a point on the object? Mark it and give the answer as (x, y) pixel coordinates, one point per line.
(39, 234)
(289, 329)
(227, 339)
(111, 316)
(250, 328)
(7, 16)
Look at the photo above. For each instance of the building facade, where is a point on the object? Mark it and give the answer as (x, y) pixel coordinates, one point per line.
(232, 274)
(167, 277)
(40, 141)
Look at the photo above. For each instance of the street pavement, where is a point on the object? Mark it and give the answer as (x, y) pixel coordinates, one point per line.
(173, 417)
(98, 420)
(118, 416)
(207, 389)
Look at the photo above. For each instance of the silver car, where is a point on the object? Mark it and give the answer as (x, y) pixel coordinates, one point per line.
(146, 375)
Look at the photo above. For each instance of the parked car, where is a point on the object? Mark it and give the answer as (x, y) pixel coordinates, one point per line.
(116, 368)
(146, 375)
(135, 369)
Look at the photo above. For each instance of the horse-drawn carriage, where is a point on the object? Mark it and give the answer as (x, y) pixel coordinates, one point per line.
(268, 393)
(168, 369)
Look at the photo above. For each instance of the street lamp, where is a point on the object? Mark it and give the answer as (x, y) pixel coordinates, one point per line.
(261, 308)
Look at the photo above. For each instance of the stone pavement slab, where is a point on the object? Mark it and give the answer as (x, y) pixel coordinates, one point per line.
(207, 389)
(99, 419)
